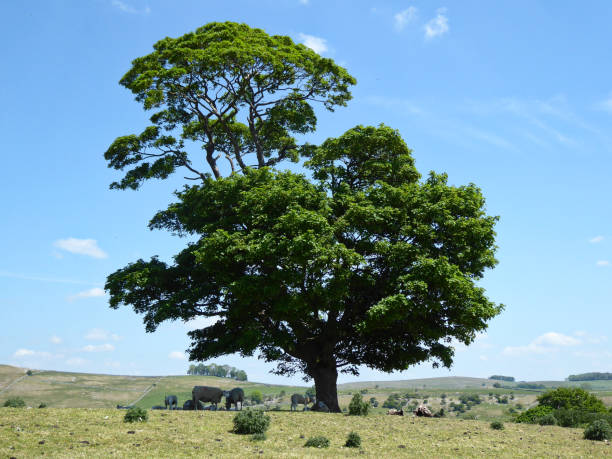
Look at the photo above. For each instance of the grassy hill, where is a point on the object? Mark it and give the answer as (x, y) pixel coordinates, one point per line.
(102, 433)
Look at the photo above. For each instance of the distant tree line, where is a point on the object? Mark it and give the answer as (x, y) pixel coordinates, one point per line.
(222, 371)
(502, 378)
(526, 385)
(590, 377)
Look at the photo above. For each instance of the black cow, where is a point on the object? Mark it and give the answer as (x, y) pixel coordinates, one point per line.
(171, 401)
(206, 394)
(188, 405)
(233, 396)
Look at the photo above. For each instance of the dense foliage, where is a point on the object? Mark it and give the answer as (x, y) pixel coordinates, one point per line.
(222, 371)
(572, 398)
(317, 442)
(502, 378)
(136, 414)
(497, 425)
(251, 422)
(365, 264)
(590, 377)
(598, 430)
(353, 440)
(357, 407)
(14, 402)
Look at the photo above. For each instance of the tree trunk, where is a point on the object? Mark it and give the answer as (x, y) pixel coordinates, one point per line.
(325, 376)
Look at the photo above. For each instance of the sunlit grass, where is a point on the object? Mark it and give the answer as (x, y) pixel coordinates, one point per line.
(102, 433)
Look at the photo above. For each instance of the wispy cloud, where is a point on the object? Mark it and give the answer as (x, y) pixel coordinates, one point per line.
(87, 247)
(437, 26)
(603, 263)
(107, 347)
(77, 362)
(490, 138)
(543, 344)
(177, 355)
(55, 339)
(126, 8)
(405, 17)
(596, 239)
(605, 105)
(98, 334)
(91, 293)
(29, 353)
(317, 44)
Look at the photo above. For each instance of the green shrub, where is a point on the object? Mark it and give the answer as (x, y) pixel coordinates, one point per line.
(469, 416)
(256, 397)
(532, 415)
(353, 440)
(497, 425)
(358, 407)
(572, 398)
(251, 422)
(14, 402)
(29, 373)
(548, 420)
(42, 405)
(136, 414)
(317, 442)
(439, 414)
(598, 430)
(258, 437)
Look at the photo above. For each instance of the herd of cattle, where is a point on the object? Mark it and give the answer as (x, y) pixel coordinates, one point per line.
(213, 395)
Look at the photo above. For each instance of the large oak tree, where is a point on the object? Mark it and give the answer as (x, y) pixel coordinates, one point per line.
(363, 264)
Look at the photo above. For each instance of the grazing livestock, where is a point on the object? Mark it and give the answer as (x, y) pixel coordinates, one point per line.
(158, 407)
(188, 405)
(233, 396)
(121, 407)
(171, 401)
(394, 412)
(299, 399)
(206, 394)
(422, 410)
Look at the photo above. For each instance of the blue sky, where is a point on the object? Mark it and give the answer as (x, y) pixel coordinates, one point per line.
(513, 96)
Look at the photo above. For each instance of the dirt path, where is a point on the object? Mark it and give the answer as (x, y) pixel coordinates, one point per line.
(147, 390)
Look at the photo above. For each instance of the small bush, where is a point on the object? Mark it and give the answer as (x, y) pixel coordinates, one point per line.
(251, 422)
(497, 425)
(14, 402)
(469, 417)
(532, 415)
(29, 373)
(317, 442)
(42, 405)
(259, 437)
(439, 414)
(353, 440)
(358, 407)
(598, 430)
(256, 397)
(548, 420)
(136, 414)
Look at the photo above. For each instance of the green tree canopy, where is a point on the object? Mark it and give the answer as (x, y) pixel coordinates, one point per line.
(366, 265)
(234, 91)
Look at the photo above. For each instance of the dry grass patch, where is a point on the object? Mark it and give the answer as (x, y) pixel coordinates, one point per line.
(102, 433)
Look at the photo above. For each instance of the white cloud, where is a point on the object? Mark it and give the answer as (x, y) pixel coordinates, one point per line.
(91, 293)
(129, 8)
(87, 247)
(23, 353)
(55, 339)
(543, 344)
(596, 239)
(403, 18)
(99, 348)
(556, 339)
(484, 358)
(317, 44)
(437, 26)
(177, 355)
(603, 263)
(77, 362)
(98, 334)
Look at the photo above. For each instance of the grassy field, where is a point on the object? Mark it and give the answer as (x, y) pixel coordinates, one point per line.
(102, 433)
